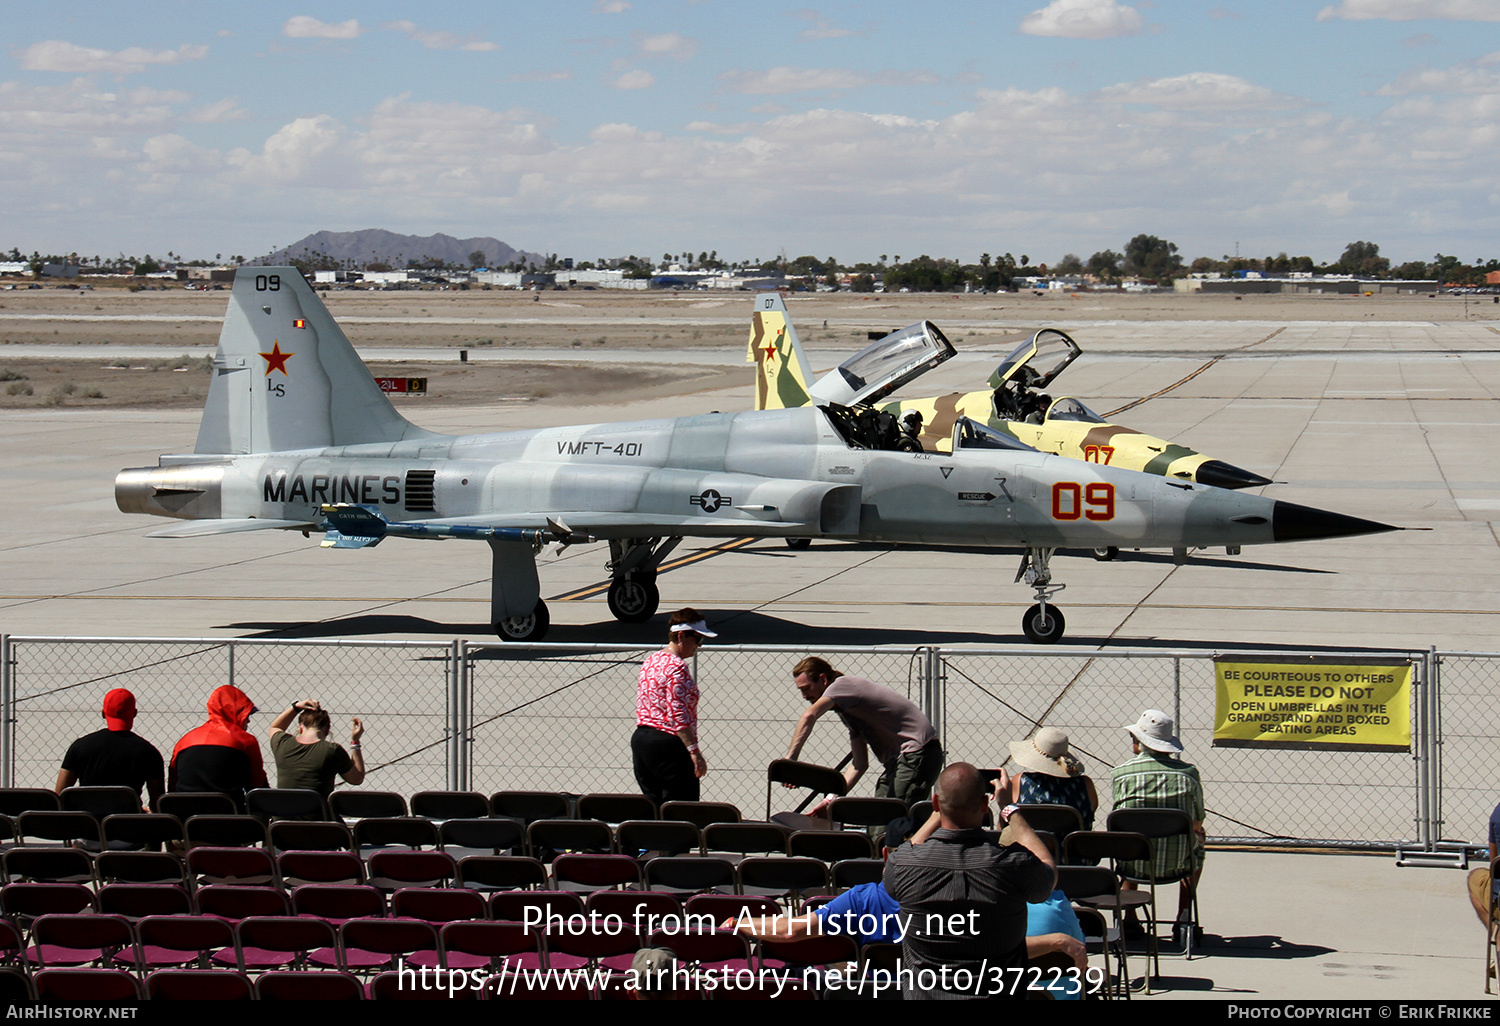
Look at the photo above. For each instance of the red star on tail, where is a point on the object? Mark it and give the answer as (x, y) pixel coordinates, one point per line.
(276, 359)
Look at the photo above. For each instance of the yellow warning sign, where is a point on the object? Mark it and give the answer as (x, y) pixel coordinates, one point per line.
(1350, 705)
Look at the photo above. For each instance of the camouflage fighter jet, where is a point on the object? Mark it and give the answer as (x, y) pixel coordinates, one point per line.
(1013, 404)
(296, 435)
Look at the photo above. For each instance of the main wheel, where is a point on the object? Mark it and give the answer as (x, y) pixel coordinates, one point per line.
(633, 600)
(1105, 554)
(525, 628)
(799, 543)
(1043, 626)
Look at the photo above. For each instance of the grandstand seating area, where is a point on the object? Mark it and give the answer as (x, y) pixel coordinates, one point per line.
(447, 895)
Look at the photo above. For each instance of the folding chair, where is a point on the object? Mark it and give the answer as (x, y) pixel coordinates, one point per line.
(80, 939)
(788, 878)
(831, 846)
(346, 804)
(690, 874)
(48, 865)
(547, 837)
(737, 841)
(199, 985)
(185, 941)
(100, 986)
(582, 874)
(450, 805)
(185, 804)
(16, 800)
(275, 943)
(644, 910)
(1090, 889)
(23, 902)
(615, 808)
(225, 831)
(712, 950)
(482, 836)
(720, 907)
(512, 906)
(100, 801)
(530, 806)
(241, 866)
(310, 835)
(489, 945)
(1160, 825)
(818, 779)
(501, 873)
(874, 813)
(389, 986)
(701, 814)
(140, 867)
(319, 867)
(316, 985)
(136, 901)
(395, 832)
(67, 828)
(1057, 820)
(391, 870)
(373, 944)
(232, 902)
(849, 873)
(268, 803)
(149, 831)
(647, 838)
(337, 903)
(438, 905)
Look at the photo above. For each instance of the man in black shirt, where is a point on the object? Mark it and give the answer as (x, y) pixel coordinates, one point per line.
(114, 756)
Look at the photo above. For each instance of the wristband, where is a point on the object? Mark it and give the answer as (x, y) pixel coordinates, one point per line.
(1007, 812)
(692, 749)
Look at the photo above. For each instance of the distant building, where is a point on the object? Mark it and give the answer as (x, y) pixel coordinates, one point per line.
(1304, 284)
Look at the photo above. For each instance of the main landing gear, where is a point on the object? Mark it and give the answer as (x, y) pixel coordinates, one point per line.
(532, 627)
(633, 596)
(1043, 622)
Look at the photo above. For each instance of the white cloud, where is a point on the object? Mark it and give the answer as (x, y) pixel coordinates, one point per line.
(303, 152)
(223, 112)
(780, 80)
(1413, 10)
(611, 6)
(1476, 76)
(57, 55)
(666, 44)
(822, 27)
(1200, 90)
(636, 79)
(1083, 19)
(436, 40)
(301, 26)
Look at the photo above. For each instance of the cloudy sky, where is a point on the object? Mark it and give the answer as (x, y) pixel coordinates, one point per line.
(597, 128)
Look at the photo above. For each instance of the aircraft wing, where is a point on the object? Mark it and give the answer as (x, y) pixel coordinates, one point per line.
(202, 528)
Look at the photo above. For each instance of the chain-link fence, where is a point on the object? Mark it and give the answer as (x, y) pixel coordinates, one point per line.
(1466, 724)
(1252, 794)
(55, 687)
(488, 717)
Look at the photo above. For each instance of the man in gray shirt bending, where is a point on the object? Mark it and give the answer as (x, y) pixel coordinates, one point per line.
(878, 718)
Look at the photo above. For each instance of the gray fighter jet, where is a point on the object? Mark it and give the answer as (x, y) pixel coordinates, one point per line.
(296, 435)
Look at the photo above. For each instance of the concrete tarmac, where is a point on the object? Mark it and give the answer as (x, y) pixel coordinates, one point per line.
(1394, 422)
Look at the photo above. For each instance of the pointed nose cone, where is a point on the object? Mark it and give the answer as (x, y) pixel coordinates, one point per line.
(1227, 475)
(1291, 522)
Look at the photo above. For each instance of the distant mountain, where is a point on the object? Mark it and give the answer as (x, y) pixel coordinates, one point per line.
(375, 245)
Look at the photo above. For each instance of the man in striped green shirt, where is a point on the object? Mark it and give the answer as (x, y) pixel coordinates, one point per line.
(1157, 778)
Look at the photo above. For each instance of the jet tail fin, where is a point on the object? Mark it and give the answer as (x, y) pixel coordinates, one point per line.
(782, 372)
(286, 377)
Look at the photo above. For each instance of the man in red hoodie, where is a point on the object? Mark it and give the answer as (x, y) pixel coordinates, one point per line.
(221, 755)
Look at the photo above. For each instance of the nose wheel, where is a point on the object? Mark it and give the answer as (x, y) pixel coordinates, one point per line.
(1043, 623)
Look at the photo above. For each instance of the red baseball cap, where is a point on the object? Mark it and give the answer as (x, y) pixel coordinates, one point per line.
(119, 709)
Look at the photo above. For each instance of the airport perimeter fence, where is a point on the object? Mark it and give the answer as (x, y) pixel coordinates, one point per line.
(492, 716)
